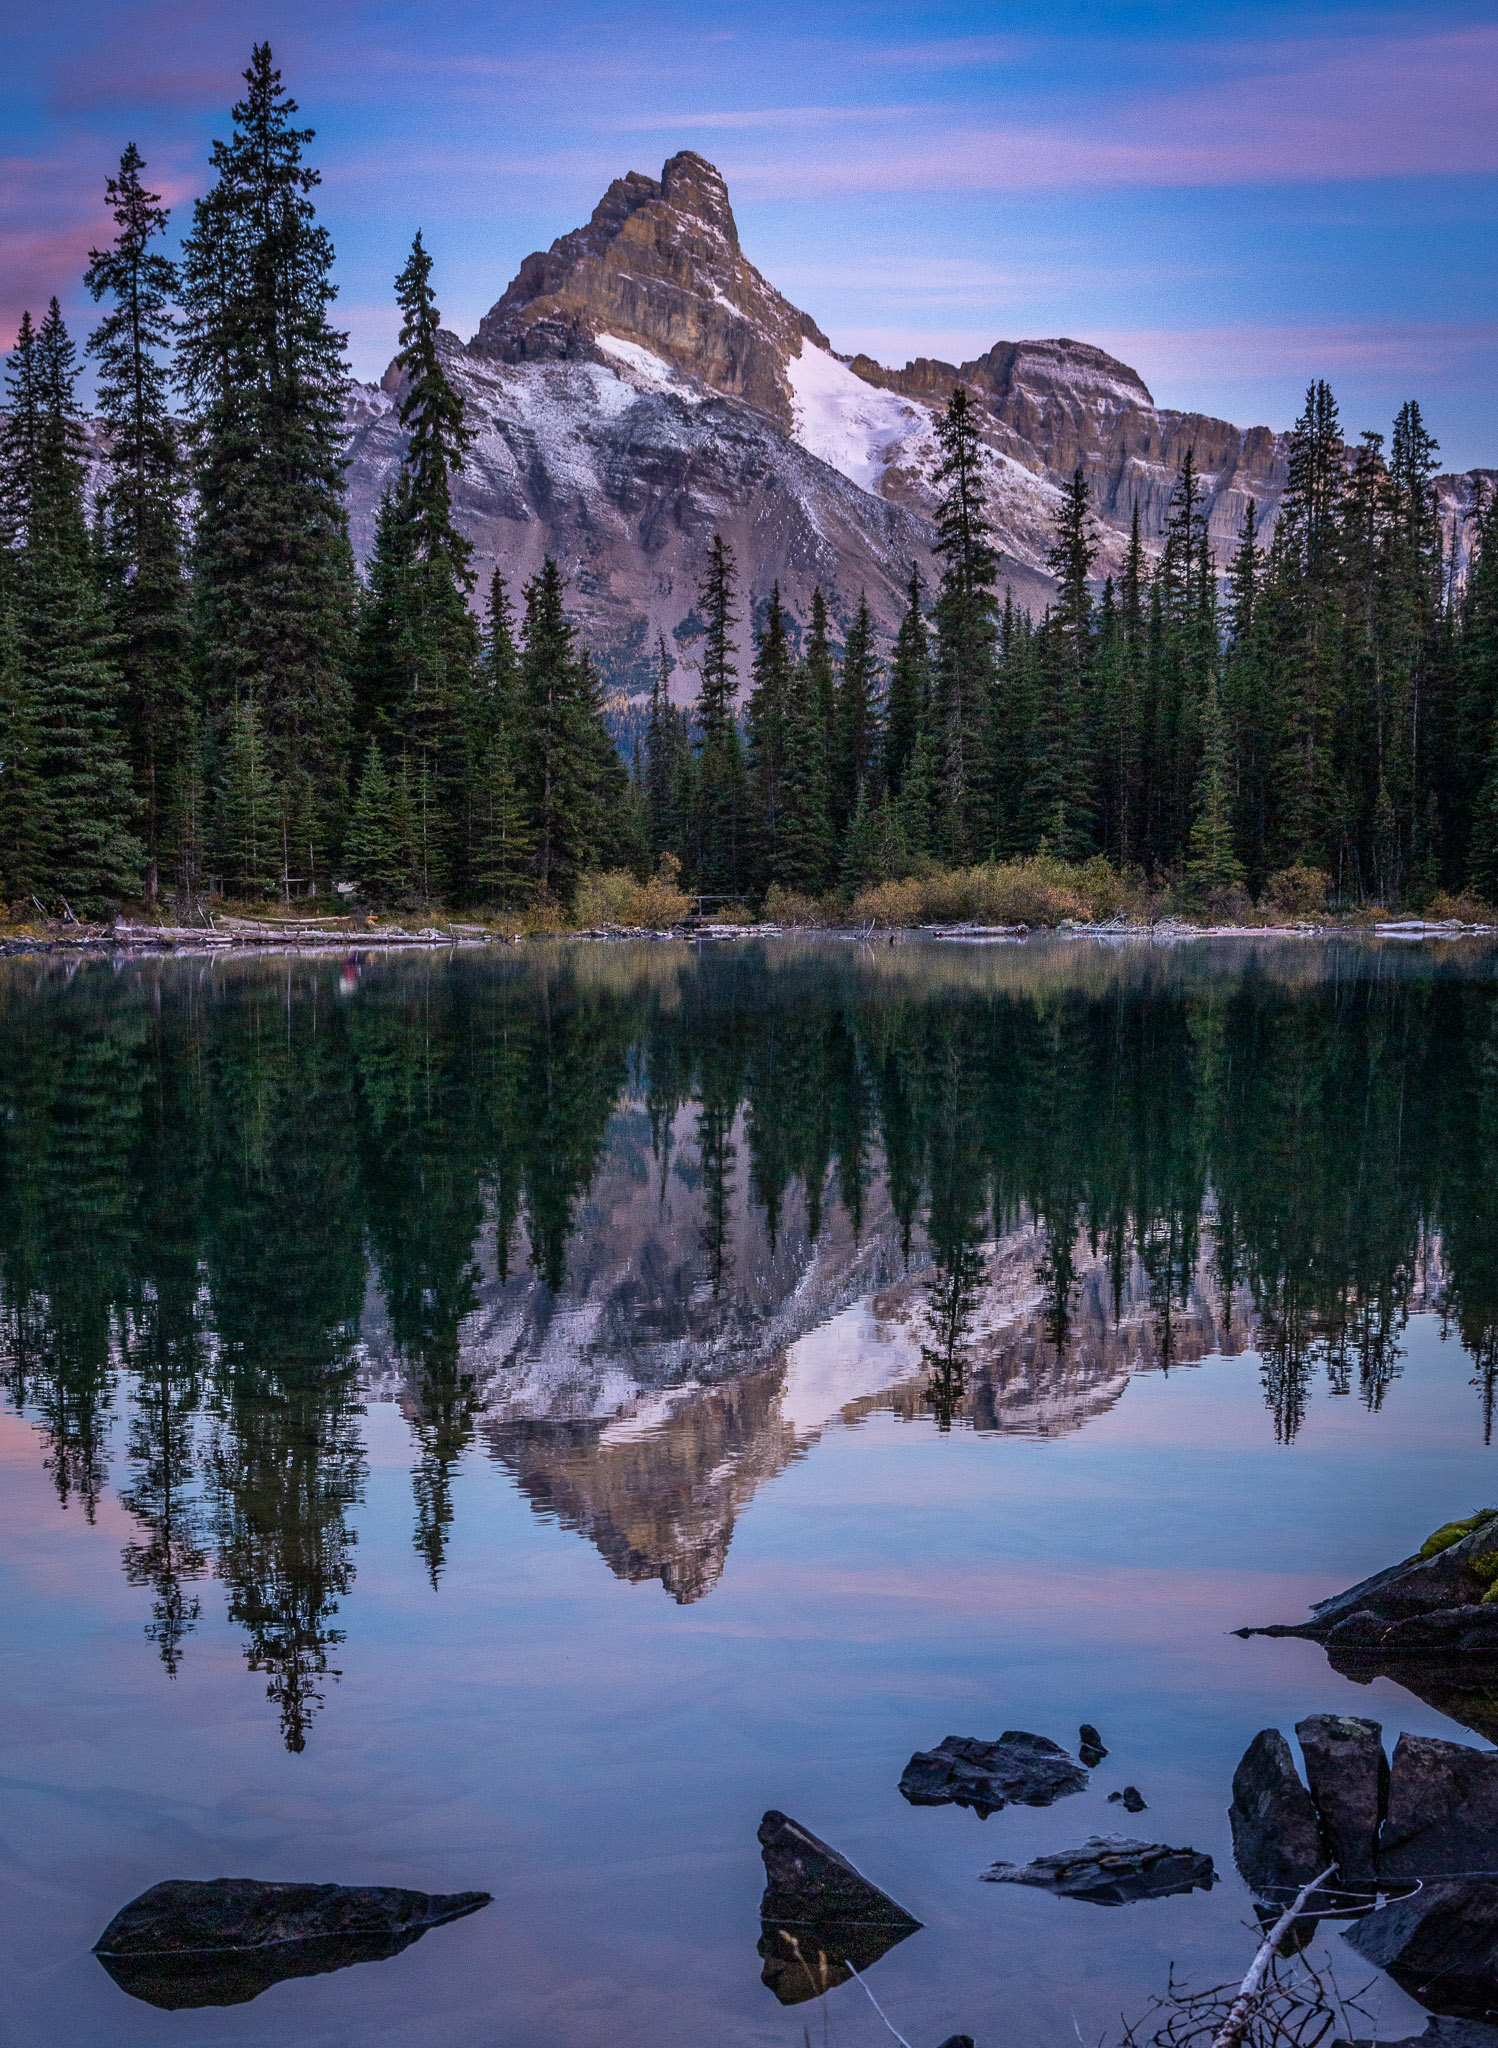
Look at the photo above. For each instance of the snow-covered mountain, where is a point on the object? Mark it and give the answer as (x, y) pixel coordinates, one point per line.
(640, 385)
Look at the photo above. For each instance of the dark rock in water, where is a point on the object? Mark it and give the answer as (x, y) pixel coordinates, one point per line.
(1437, 1602)
(1440, 1944)
(1111, 1870)
(1441, 2031)
(1443, 1810)
(819, 1914)
(1349, 1780)
(966, 2041)
(1017, 1770)
(807, 1880)
(1090, 1746)
(223, 1942)
(1277, 1842)
(1131, 1799)
(1463, 1628)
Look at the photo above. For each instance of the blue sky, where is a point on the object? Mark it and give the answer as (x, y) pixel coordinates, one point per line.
(1233, 198)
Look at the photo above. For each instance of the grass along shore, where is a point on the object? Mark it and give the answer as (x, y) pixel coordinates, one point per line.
(1038, 894)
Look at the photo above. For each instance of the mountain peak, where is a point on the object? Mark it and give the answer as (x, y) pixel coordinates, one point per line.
(693, 185)
(658, 264)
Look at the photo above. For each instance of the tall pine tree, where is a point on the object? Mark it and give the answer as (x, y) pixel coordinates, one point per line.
(66, 805)
(966, 640)
(418, 672)
(719, 837)
(140, 495)
(264, 375)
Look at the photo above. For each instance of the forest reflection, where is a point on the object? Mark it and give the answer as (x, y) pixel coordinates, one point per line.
(235, 1196)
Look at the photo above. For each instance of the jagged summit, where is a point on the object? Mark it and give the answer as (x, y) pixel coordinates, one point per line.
(641, 386)
(658, 265)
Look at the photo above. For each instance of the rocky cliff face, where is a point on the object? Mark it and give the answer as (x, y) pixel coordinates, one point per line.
(639, 386)
(658, 264)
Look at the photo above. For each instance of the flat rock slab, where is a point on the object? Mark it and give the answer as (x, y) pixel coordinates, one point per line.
(1017, 1770)
(1443, 1810)
(1277, 1839)
(1112, 1870)
(819, 1914)
(1440, 1945)
(186, 1943)
(1349, 1781)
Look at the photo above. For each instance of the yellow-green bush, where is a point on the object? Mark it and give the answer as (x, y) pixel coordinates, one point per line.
(1037, 891)
(1466, 908)
(615, 897)
(1297, 891)
(786, 906)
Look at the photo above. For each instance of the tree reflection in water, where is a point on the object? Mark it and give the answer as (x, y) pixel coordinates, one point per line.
(220, 1184)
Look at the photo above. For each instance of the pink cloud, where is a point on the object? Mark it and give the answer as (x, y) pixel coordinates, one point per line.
(52, 214)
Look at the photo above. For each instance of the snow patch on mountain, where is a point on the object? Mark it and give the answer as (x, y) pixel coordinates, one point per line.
(852, 426)
(647, 370)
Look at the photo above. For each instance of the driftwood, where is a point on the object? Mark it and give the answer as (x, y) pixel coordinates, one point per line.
(1242, 2008)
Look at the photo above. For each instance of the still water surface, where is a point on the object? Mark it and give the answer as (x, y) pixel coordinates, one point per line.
(506, 1422)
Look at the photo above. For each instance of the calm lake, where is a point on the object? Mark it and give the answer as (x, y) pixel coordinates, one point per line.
(506, 1421)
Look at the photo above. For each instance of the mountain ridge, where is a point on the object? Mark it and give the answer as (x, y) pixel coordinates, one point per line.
(641, 385)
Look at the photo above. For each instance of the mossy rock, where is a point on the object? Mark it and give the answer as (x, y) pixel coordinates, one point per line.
(1453, 1532)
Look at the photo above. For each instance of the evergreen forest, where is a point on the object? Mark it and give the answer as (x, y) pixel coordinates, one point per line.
(200, 694)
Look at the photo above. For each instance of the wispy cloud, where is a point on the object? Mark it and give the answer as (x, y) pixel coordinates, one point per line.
(1415, 349)
(1305, 109)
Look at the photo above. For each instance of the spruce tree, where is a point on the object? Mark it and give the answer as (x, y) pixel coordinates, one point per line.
(418, 669)
(502, 842)
(768, 714)
(264, 375)
(857, 750)
(1478, 667)
(374, 842)
(67, 801)
(1062, 793)
(820, 672)
(719, 849)
(659, 769)
(909, 688)
(806, 848)
(23, 830)
(966, 636)
(247, 816)
(1245, 705)
(1212, 865)
(139, 499)
(501, 663)
(572, 779)
(1303, 638)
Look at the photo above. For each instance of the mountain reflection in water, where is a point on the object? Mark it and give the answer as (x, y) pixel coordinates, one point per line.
(639, 1222)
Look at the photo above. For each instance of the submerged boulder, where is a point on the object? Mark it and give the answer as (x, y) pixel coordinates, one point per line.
(819, 1914)
(1111, 1870)
(1017, 1770)
(222, 1942)
(1440, 1945)
(1277, 1839)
